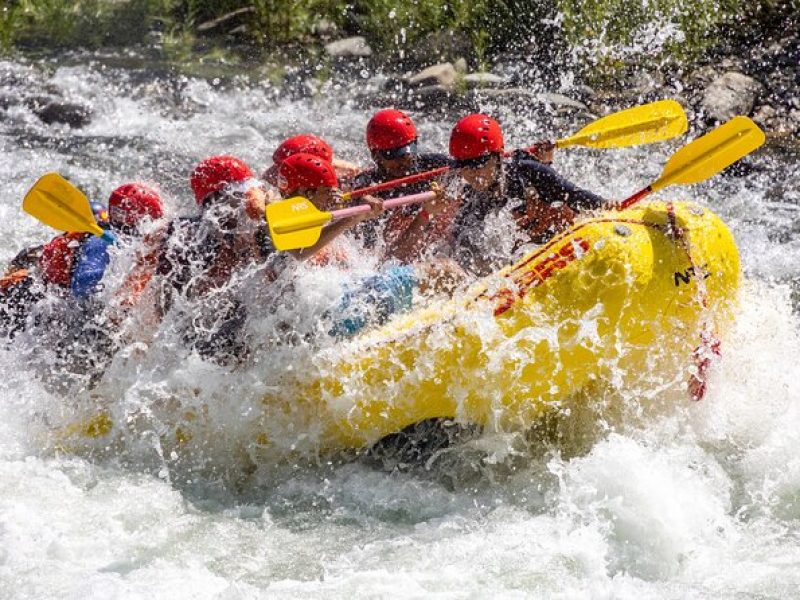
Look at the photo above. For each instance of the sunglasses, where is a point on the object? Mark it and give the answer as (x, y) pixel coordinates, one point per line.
(473, 163)
(396, 152)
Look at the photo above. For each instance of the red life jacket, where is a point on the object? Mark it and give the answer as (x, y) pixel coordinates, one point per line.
(58, 258)
(11, 280)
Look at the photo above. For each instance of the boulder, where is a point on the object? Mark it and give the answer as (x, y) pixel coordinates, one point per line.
(477, 80)
(430, 96)
(354, 47)
(68, 113)
(443, 74)
(460, 65)
(729, 95)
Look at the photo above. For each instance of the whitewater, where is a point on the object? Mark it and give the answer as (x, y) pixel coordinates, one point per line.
(691, 500)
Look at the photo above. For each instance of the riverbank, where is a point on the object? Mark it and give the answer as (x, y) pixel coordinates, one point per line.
(719, 59)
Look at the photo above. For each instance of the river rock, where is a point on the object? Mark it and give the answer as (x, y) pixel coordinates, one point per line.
(794, 118)
(764, 114)
(443, 74)
(729, 95)
(477, 80)
(7, 100)
(68, 113)
(460, 65)
(430, 96)
(560, 101)
(354, 47)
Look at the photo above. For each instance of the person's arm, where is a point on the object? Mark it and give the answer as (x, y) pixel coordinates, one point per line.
(438, 213)
(552, 187)
(334, 230)
(90, 267)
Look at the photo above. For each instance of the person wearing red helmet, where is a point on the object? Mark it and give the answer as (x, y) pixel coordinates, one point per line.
(539, 200)
(369, 301)
(77, 262)
(199, 259)
(315, 179)
(393, 144)
(308, 144)
(131, 204)
(204, 251)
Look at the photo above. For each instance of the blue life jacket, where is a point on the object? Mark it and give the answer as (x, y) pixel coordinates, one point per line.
(90, 267)
(375, 300)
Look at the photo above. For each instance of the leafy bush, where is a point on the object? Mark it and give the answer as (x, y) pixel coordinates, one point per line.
(609, 31)
(80, 23)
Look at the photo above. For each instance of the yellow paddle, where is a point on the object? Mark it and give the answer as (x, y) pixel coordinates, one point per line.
(705, 156)
(57, 203)
(297, 223)
(644, 124)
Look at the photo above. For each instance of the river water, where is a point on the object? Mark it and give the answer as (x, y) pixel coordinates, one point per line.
(698, 501)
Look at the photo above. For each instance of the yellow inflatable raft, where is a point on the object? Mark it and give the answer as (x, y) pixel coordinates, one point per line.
(623, 298)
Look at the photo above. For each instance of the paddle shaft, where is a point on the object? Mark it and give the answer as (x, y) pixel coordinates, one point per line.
(415, 178)
(388, 185)
(631, 200)
(393, 203)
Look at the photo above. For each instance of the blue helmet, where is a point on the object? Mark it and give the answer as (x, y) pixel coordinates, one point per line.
(100, 213)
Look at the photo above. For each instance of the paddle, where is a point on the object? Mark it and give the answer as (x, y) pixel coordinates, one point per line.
(705, 156)
(389, 185)
(56, 202)
(646, 124)
(297, 223)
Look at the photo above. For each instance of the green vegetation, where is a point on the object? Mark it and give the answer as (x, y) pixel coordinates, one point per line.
(79, 23)
(609, 34)
(677, 31)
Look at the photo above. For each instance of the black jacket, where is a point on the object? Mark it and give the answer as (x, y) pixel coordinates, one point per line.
(521, 176)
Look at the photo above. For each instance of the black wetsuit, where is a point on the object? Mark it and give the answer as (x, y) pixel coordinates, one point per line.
(18, 294)
(190, 250)
(522, 176)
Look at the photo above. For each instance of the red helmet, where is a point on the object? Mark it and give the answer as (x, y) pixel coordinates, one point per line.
(215, 173)
(389, 129)
(309, 144)
(475, 136)
(132, 202)
(305, 171)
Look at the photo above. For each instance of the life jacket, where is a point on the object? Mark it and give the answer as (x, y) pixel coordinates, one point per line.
(17, 294)
(12, 279)
(58, 258)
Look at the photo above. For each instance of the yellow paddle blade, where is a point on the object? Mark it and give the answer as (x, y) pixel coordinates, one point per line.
(644, 124)
(57, 203)
(295, 223)
(711, 153)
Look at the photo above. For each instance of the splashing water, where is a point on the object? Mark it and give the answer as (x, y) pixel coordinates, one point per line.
(697, 501)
